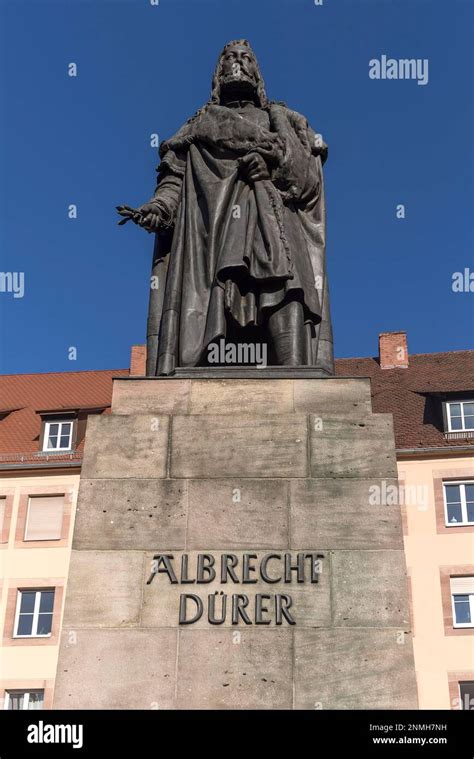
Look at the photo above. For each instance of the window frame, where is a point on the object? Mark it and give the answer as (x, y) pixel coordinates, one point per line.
(26, 698)
(36, 613)
(461, 402)
(3, 519)
(463, 625)
(462, 483)
(60, 422)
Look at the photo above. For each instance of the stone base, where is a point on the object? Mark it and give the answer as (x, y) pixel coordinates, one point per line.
(187, 467)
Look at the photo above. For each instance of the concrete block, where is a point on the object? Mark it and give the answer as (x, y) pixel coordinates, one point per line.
(138, 514)
(237, 513)
(107, 589)
(333, 398)
(241, 397)
(338, 513)
(369, 589)
(353, 448)
(219, 669)
(264, 446)
(126, 446)
(117, 669)
(150, 396)
(354, 669)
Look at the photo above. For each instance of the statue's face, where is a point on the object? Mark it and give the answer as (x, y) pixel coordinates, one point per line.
(239, 65)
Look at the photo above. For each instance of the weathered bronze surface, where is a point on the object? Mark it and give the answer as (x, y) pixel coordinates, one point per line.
(239, 218)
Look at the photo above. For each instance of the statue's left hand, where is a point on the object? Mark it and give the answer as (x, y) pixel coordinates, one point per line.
(253, 167)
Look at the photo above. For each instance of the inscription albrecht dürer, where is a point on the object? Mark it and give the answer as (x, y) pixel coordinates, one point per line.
(271, 568)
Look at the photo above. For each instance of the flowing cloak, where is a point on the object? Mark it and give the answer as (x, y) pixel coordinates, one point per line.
(239, 250)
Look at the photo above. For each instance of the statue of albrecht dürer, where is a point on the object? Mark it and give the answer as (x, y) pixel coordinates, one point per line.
(240, 221)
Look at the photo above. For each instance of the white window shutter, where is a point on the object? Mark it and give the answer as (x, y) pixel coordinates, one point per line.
(45, 517)
(464, 585)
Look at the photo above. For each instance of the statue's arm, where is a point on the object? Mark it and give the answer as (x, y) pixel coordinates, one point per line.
(314, 178)
(160, 211)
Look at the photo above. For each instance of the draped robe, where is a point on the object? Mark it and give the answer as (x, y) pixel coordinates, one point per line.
(238, 249)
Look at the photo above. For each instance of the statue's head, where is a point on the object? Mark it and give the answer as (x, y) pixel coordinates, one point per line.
(237, 70)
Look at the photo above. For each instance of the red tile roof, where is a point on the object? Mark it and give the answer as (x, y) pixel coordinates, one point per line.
(414, 395)
(31, 393)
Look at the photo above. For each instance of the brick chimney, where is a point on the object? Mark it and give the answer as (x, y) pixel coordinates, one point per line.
(138, 361)
(393, 350)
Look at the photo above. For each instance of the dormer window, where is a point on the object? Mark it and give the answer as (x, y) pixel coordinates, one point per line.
(58, 435)
(63, 429)
(460, 416)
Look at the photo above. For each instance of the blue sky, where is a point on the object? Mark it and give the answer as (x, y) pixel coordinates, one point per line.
(144, 69)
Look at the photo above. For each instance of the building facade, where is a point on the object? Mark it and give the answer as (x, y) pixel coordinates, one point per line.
(42, 426)
(431, 397)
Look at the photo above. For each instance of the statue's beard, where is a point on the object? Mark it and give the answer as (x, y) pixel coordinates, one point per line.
(243, 85)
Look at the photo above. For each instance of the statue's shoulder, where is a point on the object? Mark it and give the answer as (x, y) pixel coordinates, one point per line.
(173, 150)
(278, 106)
(184, 137)
(308, 136)
(281, 111)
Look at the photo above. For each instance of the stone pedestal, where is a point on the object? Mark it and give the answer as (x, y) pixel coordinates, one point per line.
(193, 467)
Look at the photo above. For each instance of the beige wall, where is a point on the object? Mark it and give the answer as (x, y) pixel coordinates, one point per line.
(23, 663)
(433, 552)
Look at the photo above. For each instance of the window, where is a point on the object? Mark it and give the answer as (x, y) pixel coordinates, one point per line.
(3, 507)
(34, 613)
(58, 436)
(466, 695)
(17, 700)
(45, 517)
(460, 416)
(459, 503)
(462, 594)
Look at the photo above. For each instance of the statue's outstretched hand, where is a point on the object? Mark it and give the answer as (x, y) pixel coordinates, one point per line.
(253, 167)
(150, 216)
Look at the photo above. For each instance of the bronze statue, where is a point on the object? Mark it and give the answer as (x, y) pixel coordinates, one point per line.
(239, 219)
